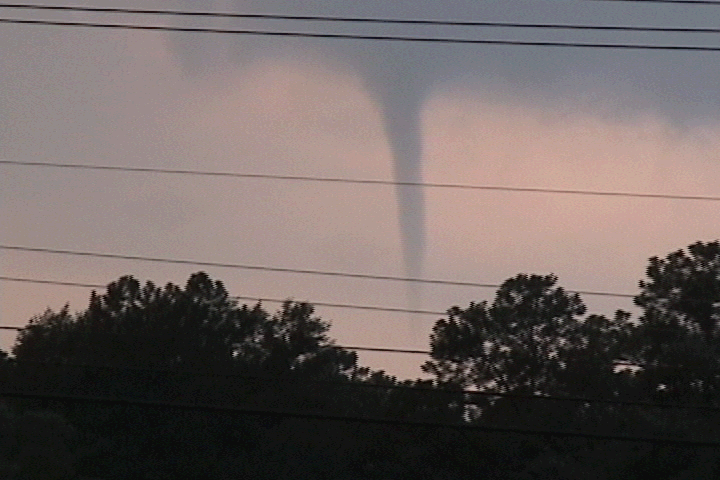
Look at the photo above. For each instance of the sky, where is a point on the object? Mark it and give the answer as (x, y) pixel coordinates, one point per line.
(618, 120)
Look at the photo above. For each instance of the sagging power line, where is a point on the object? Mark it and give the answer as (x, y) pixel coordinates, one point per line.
(681, 2)
(616, 363)
(350, 36)
(241, 297)
(356, 181)
(347, 19)
(361, 276)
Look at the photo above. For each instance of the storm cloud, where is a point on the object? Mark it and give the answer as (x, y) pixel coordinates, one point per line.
(564, 118)
(400, 77)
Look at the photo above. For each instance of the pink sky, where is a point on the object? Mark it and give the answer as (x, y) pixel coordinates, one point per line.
(126, 102)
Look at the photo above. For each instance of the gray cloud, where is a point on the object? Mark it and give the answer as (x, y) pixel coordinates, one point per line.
(400, 76)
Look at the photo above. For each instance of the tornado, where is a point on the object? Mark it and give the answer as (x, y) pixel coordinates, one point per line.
(402, 127)
(392, 75)
(400, 94)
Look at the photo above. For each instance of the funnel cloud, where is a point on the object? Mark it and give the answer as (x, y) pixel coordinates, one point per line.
(401, 96)
(390, 75)
(402, 126)
(615, 120)
(401, 76)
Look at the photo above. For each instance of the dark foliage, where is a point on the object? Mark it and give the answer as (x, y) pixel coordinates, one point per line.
(533, 355)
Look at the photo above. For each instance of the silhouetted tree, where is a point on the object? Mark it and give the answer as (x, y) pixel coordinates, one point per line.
(382, 395)
(677, 345)
(196, 344)
(191, 344)
(684, 288)
(196, 329)
(678, 339)
(136, 325)
(531, 339)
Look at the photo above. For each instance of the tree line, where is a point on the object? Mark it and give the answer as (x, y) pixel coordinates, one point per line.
(527, 385)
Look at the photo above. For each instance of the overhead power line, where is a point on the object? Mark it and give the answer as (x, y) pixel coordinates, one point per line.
(346, 19)
(618, 363)
(307, 178)
(240, 297)
(345, 347)
(349, 382)
(347, 418)
(350, 36)
(362, 276)
(688, 2)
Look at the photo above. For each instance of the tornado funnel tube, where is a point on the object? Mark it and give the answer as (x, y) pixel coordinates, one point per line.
(403, 128)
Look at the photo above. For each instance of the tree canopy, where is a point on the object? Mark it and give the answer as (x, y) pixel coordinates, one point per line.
(199, 326)
(532, 358)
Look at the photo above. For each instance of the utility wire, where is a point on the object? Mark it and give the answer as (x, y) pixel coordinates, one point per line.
(349, 36)
(240, 297)
(365, 20)
(688, 2)
(363, 276)
(279, 300)
(305, 178)
(618, 363)
(356, 419)
(380, 349)
(388, 182)
(376, 386)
